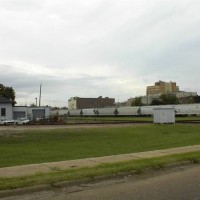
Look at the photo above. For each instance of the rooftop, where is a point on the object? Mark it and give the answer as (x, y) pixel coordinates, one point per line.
(4, 100)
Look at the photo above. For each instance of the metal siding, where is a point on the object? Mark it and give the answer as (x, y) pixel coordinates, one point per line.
(106, 111)
(19, 114)
(128, 110)
(88, 112)
(164, 116)
(38, 113)
(75, 112)
(147, 110)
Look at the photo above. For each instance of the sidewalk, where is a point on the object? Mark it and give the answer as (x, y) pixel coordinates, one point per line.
(32, 169)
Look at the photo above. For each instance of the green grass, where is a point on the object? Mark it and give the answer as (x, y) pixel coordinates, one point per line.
(18, 148)
(136, 166)
(189, 118)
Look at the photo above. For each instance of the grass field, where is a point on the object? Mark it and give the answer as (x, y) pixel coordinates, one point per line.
(18, 148)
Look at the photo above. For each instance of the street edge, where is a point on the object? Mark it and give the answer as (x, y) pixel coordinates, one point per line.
(39, 188)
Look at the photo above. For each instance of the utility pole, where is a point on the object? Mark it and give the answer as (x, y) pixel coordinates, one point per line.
(40, 94)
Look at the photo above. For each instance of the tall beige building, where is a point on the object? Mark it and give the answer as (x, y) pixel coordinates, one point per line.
(162, 87)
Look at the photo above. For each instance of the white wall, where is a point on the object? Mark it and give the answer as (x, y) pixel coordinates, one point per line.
(9, 112)
(72, 103)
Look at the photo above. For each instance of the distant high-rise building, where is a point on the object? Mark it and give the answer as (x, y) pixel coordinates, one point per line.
(162, 87)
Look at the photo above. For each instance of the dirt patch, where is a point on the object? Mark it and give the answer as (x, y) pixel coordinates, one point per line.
(10, 133)
(20, 129)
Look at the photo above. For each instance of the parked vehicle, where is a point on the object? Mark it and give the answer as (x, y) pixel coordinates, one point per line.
(39, 119)
(22, 121)
(6, 121)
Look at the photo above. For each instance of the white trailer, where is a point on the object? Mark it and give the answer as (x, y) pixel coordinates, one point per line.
(89, 112)
(188, 109)
(164, 115)
(128, 111)
(107, 111)
(75, 112)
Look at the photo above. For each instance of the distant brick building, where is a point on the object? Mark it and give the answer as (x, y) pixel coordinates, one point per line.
(83, 103)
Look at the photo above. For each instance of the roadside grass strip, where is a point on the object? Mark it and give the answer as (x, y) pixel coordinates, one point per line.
(133, 166)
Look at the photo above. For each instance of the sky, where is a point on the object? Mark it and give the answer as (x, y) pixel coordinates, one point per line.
(92, 48)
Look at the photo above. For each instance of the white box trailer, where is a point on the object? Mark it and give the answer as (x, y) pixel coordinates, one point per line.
(107, 111)
(187, 109)
(147, 110)
(89, 112)
(164, 115)
(59, 112)
(128, 111)
(75, 112)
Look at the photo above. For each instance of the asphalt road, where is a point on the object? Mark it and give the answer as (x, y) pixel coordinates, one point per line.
(181, 184)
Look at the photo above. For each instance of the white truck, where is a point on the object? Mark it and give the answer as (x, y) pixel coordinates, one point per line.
(21, 121)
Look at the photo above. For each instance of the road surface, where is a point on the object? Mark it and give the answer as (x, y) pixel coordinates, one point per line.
(181, 184)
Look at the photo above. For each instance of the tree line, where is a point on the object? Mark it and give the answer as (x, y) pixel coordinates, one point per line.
(167, 99)
(8, 92)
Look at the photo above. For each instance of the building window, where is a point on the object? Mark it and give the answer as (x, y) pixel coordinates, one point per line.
(3, 112)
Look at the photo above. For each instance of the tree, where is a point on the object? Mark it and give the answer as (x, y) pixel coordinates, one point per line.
(137, 101)
(33, 105)
(156, 102)
(8, 92)
(167, 99)
(196, 99)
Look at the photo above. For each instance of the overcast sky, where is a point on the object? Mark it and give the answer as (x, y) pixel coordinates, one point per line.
(95, 48)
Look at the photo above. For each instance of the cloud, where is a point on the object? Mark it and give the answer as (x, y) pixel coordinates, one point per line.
(97, 48)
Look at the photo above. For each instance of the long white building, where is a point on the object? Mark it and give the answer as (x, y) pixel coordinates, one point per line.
(7, 111)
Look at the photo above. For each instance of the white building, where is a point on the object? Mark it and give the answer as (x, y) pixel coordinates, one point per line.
(7, 111)
(30, 112)
(182, 94)
(6, 108)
